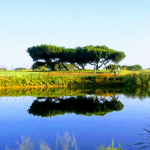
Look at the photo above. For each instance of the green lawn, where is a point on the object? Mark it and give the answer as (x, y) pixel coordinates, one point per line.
(17, 73)
(75, 72)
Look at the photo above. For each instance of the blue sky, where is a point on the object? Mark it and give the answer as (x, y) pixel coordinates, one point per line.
(123, 25)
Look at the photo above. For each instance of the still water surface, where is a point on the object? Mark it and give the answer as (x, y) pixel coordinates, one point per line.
(91, 120)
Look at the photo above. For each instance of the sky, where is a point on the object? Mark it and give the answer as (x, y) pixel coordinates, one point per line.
(123, 25)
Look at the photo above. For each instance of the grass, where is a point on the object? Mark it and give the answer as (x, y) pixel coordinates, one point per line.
(65, 142)
(112, 147)
(137, 80)
(76, 78)
(70, 72)
(61, 81)
(17, 73)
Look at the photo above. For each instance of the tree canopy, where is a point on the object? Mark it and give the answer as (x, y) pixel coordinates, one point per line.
(79, 57)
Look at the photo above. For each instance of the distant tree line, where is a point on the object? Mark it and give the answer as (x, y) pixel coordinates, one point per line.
(125, 67)
(20, 69)
(60, 57)
(3, 69)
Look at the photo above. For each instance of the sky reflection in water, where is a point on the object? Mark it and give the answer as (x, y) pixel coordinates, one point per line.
(123, 125)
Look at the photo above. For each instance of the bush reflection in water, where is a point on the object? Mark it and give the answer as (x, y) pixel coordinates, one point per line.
(65, 142)
(80, 105)
(56, 92)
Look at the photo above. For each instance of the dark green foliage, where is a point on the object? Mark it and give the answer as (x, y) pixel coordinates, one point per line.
(49, 53)
(102, 55)
(39, 66)
(137, 80)
(55, 56)
(65, 66)
(80, 105)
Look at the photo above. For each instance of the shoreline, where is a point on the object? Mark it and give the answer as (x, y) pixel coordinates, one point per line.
(127, 81)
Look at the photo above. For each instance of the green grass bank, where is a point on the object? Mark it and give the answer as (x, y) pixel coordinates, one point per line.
(131, 81)
(60, 81)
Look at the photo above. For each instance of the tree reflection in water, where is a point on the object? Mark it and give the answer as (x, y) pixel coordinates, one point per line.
(80, 105)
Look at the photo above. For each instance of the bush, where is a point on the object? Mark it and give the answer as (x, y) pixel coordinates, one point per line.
(137, 80)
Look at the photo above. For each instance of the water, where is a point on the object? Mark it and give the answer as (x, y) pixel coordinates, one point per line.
(89, 121)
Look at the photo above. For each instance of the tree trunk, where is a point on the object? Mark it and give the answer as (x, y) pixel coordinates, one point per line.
(76, 66)
(64, 66)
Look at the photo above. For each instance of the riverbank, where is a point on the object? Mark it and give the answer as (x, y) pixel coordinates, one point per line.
(63, 81)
